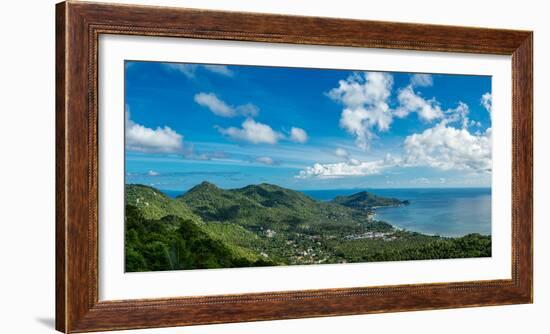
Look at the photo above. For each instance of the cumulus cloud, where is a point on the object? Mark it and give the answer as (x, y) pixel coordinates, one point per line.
(220, 108)
(349, 168)
(459, 115)
(365, 100)
(255, 132)
(143, 139)
(298, 135)
(445, 147)
(390, 160)
(252, 132)
(422, 80)
(411, 101)
(342, 169)
(189, 70)
(353, 162)
(487, 102)
(340, 152)
(442, 146)
(265, 160)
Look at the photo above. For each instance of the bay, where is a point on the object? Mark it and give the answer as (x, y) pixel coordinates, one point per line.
(450, 212)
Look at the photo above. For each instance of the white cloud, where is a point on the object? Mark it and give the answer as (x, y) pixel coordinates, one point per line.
(342, 169)
(152, 173)
(474, 123)
(252, 132)
(351, 167)
(390, 160)
(365, 99)
(265, 160)
(219, 69)
(420, 180)
(160, 140)
(459, 115)
(189, 70)
(249, 110)
(487, 102)
(353, 162)
(344, 154)
(192, 154)
(422, 80)
(216, 106)
(186, 69)
(298, 135)
(220, 108)
(442, 147)
(410, 101)
(446, 148)
(340, 152)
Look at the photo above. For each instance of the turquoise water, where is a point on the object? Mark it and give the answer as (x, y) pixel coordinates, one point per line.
(446, 212)
(173, 193)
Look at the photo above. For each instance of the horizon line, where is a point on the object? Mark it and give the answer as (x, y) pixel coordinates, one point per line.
(317, 189)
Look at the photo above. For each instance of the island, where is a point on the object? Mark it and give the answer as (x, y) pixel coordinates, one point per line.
(365, 200)
(268, 225)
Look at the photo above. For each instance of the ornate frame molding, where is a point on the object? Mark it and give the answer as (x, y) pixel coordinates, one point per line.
(78, 27)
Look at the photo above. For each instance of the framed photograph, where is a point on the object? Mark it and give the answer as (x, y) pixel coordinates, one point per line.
(223, 167)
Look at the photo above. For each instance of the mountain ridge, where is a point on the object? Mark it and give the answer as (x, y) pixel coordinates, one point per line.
(365, 200)
(266, 224)
(265, 205)
(175, 243)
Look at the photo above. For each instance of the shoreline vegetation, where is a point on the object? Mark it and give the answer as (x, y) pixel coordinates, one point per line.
(266, 225)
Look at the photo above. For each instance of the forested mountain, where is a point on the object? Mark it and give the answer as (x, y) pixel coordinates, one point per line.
(265, 205)
(174, 243)
(262, 225)
(366, 200)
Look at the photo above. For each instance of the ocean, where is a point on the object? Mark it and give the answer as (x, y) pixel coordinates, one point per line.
(450, 212)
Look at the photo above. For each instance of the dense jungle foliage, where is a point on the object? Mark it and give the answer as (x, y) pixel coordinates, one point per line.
(267, 225)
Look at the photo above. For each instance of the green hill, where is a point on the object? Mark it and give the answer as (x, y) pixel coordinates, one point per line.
(267, 206)
(364, 200)
(153, 204)
(272, 196)
(214, 204)
(174, 243)
(259, 225)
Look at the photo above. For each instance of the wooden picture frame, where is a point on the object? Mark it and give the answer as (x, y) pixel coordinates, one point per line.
(78, 27)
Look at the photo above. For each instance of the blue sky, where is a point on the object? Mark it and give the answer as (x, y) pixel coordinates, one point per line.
(304, 128)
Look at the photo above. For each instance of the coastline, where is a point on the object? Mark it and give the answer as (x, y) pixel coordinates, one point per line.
(267, 225)
(446, 222)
